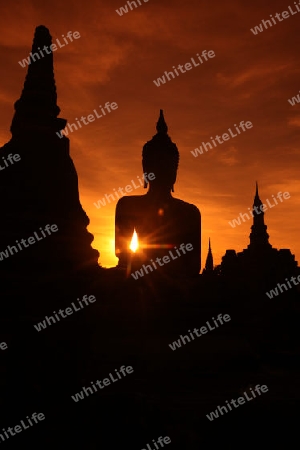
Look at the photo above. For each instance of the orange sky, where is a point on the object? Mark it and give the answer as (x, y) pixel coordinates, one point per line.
(117, 58)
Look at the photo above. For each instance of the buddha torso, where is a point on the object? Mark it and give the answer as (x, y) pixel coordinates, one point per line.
(161, 225)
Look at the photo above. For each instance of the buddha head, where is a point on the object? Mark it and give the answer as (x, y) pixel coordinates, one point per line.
(161, 157)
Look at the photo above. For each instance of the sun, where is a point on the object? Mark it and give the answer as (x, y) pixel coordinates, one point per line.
(134, 245)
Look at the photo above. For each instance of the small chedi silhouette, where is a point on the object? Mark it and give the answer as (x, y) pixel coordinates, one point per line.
(42, 188)
(161, 221)
(260, 261)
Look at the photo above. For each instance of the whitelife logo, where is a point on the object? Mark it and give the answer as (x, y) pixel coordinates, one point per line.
(159, 441)
(261, 209)
(187, 66)
(65, 313)
(53, 48)
(18, 428)
(128, 189)
(285, 15)
(274, 293)
(294, 100)
(241, 401)
(166, 259)
(11, 158)
(225, 137)
(31, 240)
(90, 118)
(106, 381)
(202, 330)
(124, 9)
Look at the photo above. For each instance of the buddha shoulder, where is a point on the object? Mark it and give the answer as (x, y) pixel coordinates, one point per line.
(130, 200)
(186, 208)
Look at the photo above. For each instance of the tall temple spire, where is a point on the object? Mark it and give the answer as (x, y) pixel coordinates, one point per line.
(209, 265)
(37, 107)
(259, 237)
(257, 205)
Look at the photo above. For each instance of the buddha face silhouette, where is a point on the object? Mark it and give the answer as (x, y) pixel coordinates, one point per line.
(165, 174)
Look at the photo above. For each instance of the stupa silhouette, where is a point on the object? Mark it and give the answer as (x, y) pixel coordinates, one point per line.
(42, 187)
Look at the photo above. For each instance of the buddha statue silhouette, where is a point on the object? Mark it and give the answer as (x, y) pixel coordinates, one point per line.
(161, 221)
